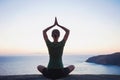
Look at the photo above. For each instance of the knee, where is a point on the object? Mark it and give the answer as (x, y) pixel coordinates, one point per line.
(40, 68)
(71, 67)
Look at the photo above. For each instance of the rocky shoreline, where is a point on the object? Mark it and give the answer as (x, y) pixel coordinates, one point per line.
(110, 59)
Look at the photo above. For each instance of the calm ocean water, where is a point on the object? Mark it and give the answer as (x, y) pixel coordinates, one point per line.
(15, 65)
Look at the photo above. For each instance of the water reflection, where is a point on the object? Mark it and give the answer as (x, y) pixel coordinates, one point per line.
(92, 68)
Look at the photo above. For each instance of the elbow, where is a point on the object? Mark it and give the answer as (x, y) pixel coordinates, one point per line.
(44, 31)
(68, 31)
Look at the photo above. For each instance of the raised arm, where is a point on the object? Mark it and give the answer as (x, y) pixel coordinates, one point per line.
(67, 31)
(45, 32)
(56, 23)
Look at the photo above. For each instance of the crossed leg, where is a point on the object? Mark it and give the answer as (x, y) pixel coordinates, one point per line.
(40, 68)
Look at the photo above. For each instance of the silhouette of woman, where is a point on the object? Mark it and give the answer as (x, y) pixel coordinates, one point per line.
(55, 67)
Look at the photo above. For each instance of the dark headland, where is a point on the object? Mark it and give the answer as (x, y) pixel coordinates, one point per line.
(70, 77)
(110, 59)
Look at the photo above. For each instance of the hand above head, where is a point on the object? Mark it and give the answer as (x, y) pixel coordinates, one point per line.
(65, 29)
(55, 23)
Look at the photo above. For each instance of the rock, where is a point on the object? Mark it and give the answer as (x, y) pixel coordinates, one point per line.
(110, 59)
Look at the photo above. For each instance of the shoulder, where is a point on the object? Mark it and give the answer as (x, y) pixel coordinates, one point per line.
(63, 41)
(48, 41)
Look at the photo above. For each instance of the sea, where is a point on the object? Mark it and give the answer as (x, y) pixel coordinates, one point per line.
(21, 65)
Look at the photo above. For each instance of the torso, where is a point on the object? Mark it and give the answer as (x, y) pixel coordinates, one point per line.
(55, 54)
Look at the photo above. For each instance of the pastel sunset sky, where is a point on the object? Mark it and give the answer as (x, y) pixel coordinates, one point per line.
(94, 25)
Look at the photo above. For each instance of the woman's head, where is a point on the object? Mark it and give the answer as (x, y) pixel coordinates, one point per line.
(55, 33)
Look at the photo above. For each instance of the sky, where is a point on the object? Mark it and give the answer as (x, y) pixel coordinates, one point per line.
(94, 25)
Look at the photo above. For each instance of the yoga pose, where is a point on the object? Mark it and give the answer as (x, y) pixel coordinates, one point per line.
(55, 68)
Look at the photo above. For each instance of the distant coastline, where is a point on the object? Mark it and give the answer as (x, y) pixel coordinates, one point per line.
(109, 59)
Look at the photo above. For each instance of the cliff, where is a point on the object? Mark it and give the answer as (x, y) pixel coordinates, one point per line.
(110, 59)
